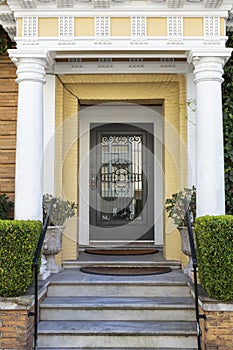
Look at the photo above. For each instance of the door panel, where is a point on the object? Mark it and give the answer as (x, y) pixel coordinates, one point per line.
(121, 182)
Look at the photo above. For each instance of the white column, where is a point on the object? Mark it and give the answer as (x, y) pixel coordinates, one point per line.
(210, 154)
(29, 146)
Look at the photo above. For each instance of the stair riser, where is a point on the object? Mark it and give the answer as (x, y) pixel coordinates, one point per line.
(116, 314)
(111, 341)
(113, 290)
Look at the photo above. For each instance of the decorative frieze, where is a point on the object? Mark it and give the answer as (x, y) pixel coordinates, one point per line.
(30, 27)
(101, 3)
(66, 30)
(211, 30)
(27, 4)
(65, 3)
(138, 30)
(175, 30)
(175, 3)
(102, 29)
(211, 26)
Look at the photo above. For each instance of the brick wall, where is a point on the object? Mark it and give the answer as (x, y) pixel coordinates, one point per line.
(8, 116)
(16, 330)
(217, 330)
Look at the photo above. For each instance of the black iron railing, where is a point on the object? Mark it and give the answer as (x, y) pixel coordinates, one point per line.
(195, 266)
(36, 272)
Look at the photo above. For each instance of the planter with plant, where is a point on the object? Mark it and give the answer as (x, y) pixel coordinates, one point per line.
(174, 206)
(62, 210)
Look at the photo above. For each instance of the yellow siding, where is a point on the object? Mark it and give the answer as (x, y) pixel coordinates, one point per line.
(127, 87)
(156, 26)
(193, 26)
(48, 26)
(120, 27)
(19, 27)
(84, 26)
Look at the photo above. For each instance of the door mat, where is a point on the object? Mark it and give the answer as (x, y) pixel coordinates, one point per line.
(123, 251)
(125, 270)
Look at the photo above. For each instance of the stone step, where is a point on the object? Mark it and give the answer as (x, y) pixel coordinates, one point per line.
(117, 334)
(123, 289)
(109, 308)
(72, 264)
(115, 348)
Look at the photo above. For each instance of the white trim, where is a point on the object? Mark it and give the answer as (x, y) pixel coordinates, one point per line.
(124, 12)
(113, 43)
(121, 67)
(49, 134)
(191, 128)
(97, 114)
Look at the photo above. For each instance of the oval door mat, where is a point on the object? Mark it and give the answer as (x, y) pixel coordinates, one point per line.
(123, 251)
(125, 270)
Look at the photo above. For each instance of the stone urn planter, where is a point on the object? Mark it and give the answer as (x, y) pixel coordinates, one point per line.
(185, 247)
(52, 246)
(61, 210)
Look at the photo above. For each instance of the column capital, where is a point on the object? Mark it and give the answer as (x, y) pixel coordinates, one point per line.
(31, 65)
(208, 69)
(223, 53)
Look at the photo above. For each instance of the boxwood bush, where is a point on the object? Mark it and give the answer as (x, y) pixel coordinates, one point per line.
(18, 242)
(214, 238)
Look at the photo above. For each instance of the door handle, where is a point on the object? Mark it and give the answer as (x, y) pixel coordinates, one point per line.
(93, 181)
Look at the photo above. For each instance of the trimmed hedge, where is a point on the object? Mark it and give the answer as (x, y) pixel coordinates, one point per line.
(214, 241)
(18, 242)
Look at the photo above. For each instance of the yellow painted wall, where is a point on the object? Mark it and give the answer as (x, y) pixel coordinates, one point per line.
(156, 26)
(120, 26)
(84, 26)
(222, 26)
(139, 87)
(66, 171)
(193, 26)
(48, 26)
(19, 27)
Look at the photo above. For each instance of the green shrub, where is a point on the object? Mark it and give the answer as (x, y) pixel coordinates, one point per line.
(18, 242)
(214, 238)
(5, 205)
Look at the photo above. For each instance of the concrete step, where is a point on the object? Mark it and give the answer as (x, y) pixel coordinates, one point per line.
(115, 348)
(109, 308)
(72, 264)
(117, 334)
(114, 287)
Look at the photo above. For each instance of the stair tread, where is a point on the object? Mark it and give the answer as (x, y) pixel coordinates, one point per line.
(75, 277)
(118, 302)
(118, 327)
(39, 348)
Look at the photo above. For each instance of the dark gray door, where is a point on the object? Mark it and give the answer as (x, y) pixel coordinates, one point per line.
(121, 182)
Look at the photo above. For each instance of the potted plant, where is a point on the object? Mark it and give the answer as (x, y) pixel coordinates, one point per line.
(62, 210)
(176, 211)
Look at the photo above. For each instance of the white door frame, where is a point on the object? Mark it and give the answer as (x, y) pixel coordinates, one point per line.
(135, 114)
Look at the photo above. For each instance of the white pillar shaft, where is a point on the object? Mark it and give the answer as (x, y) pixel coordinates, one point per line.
(210, 153)
(29, 147)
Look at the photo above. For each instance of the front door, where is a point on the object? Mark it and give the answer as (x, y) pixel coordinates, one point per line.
(121, 182)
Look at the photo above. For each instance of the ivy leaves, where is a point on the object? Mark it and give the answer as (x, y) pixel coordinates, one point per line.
(227, 90)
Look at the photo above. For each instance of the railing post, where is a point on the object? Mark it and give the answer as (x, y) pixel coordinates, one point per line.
(35, 267)
(195, 265)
